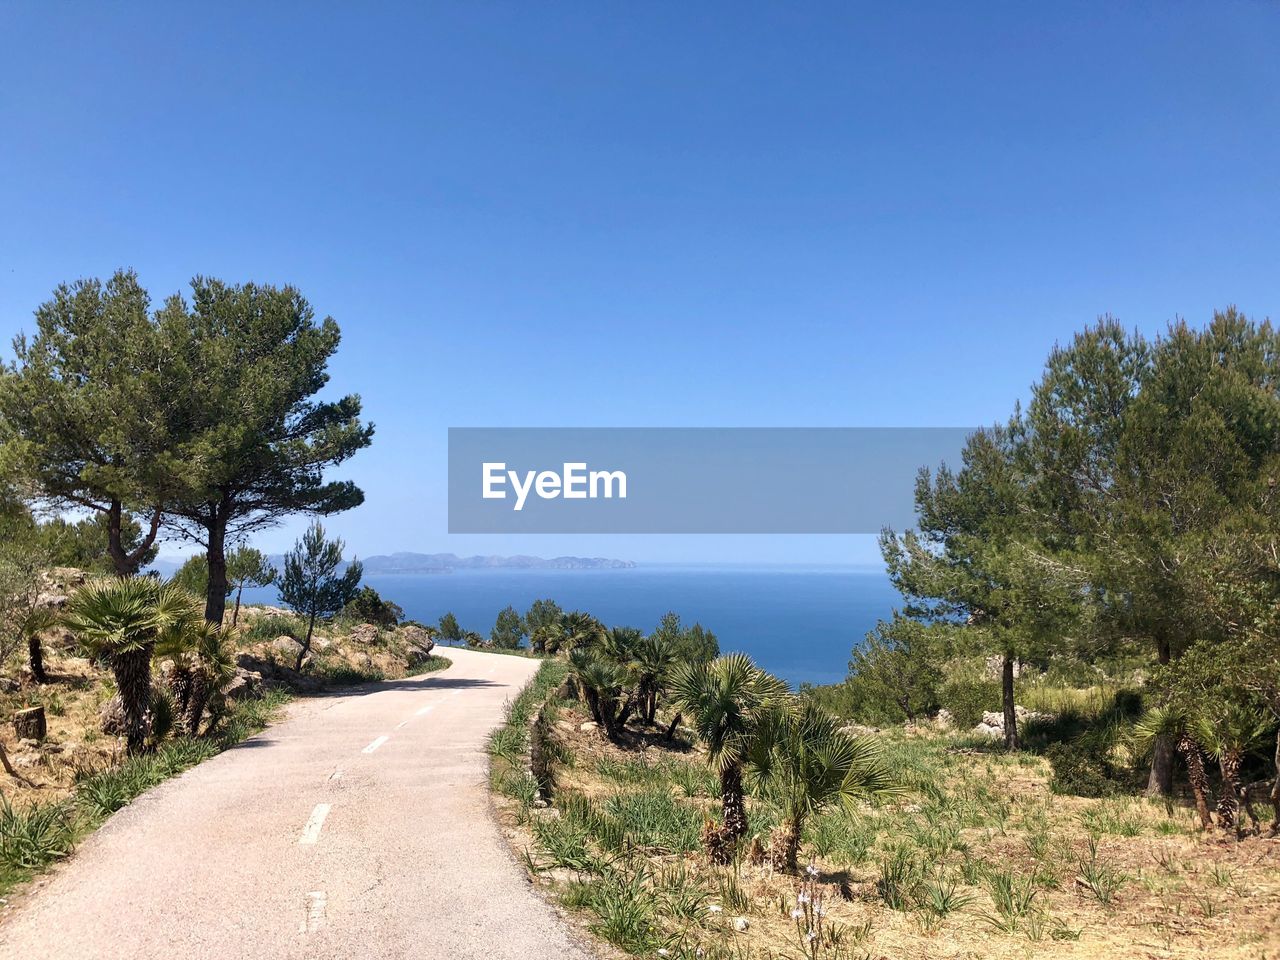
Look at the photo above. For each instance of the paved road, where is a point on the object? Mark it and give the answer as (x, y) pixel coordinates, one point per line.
(357, 828)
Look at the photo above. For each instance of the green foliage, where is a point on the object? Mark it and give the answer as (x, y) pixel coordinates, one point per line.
(431, 664)
(1079, 771)
(32, 838)
(367, 606)
(120, 621)
(509, 630)
(967, 698)
(896, 673)
(193, 576)
(247, 567)
(257, 440)
(94, 410)
(694, 644)
(84, 543)
(312, 586)
(450, 632)
(542, 622)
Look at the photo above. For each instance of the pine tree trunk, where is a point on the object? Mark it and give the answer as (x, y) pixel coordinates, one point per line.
(1275, 789)
(132, 671)
(35, 655)
(1010, 708)
(215, 600)
(306, 644)
(1160, 782)
(1194, 760)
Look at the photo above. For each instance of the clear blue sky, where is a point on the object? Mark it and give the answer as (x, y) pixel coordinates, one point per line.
(651, 214)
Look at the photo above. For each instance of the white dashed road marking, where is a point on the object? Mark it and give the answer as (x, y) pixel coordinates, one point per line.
(423, 711)
(311, 832)
(315, 912)
(375, 745)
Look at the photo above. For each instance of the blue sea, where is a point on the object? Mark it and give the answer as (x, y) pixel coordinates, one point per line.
(800, 623)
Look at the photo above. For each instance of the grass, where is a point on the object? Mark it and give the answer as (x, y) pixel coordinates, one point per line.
(34, 837)
(430, 665)
(980, 858)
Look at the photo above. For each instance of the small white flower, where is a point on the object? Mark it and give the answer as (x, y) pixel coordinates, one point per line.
(811, 936)
(715, 908)
(802, 897)
(812, 870)
(662, 952)
(797, 913)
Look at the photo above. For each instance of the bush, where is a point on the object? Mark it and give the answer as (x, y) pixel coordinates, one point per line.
(267, 628)
(967, 699)
(367, 606)
(1079, 772)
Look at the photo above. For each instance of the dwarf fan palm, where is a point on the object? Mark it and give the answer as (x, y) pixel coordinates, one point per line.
(652, 660)
(119, 621)
(601, 682)
(726, 700)
(1228, 735)
(201, 654)
(801, 758)
(577, 629)
(1176, 726)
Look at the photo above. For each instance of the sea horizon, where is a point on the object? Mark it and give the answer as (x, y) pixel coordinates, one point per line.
(800, 621)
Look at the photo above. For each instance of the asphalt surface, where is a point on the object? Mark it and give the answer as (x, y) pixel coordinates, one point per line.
(358, 827)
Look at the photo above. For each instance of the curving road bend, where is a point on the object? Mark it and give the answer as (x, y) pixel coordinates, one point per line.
(358, 827)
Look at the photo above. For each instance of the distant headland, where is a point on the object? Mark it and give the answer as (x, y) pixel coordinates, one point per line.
(443, 562)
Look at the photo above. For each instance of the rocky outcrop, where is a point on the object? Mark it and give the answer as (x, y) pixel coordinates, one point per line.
(365, 634)
(245, 685)
(992, 724)
(417, 638)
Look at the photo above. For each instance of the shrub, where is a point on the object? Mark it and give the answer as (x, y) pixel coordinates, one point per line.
(1079, 772)
(967, 699)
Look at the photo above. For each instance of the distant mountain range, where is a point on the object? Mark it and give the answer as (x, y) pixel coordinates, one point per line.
(448, 562)
(439, 562)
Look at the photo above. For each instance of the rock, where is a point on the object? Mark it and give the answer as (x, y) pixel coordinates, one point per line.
(858, 730)
(589, 725)
(9, 685)
(30, 724)
(992, 724)
(944, 719)
(111, 717)
(741, 924)
(286, 646)
(416, 656)
(365, 633)
(564, 724)
(245, 685)
(418, 639)
(52, 601)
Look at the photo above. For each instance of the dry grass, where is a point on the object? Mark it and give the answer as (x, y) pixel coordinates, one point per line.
(78, 689)
(980, 860)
